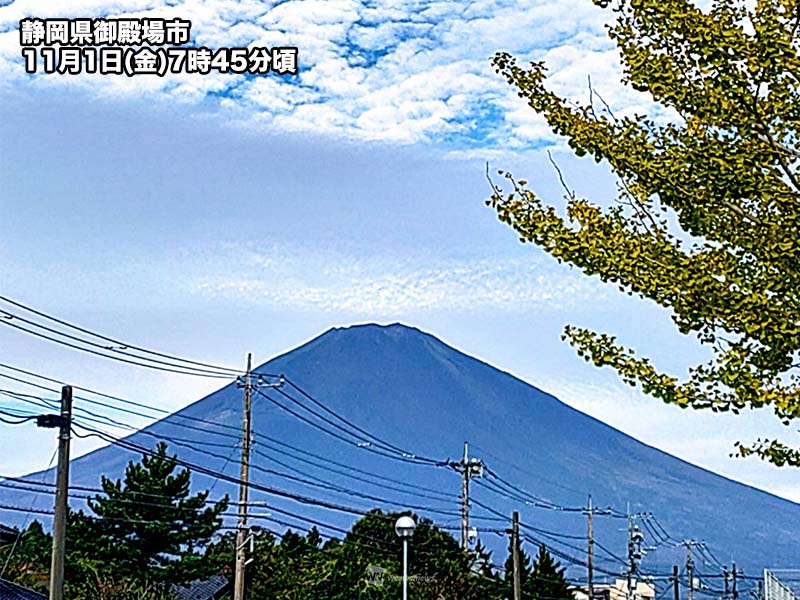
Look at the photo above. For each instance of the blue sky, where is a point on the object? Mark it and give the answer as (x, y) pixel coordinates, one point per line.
(211, 216)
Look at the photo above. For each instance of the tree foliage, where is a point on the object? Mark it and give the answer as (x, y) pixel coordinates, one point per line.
(365, 564)
(542, 580)
(150, 523)
(147, 532)
(707, 222)
(24, 560)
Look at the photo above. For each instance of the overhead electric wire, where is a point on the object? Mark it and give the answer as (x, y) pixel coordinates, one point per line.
(112, 357)
(616, 557)
(126, 345)
(334, 434)
(25, 522)
(105, 420)
(366, 440)
(656, 523)
(169, 416)
(706, 551)
(366, 433)
(126, 444)
(542, 532)
(493, 487)
(251, 515)
(419, 490)
(6, 316)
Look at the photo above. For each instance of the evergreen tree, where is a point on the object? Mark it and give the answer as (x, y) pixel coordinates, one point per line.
(147, 523)
(524, 572)
(546, 580)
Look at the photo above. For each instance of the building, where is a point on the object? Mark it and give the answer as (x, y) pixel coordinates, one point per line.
(215, 587)
(7, 535)
(618, 591)
(12, 591)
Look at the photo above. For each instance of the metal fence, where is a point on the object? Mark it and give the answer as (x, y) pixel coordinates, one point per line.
(782, 584)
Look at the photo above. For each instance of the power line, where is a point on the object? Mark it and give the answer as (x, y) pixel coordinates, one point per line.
(169, 416)
(378, 440)
(25, 523)
(338, 436)
(123, 345)
(110, 356)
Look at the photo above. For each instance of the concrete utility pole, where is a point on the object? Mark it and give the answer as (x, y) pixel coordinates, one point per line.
(676, 594)
(515, 554)
(590, 549)
(635, 552)
(631, 564)
(465, 472)
(241, 532)
(725, 575)
(64, 424)
(690, 567)
(468, 468)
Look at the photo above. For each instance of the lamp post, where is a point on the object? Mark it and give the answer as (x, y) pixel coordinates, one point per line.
(404, 528)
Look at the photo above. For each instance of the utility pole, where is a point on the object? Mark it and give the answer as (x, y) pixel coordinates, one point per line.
(468, 468)
(590, 549)
(631, 564)
(515, 554)
(465, 473)
(676, 594)
(64, 424)
(241, 539)
(690, 567)
(725, 575)
(242, 534)
(635, 539)
(733, 585)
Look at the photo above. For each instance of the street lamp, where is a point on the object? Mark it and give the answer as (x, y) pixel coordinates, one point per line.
(404, 528)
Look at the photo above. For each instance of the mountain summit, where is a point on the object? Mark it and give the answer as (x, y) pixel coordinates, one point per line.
(419, 395)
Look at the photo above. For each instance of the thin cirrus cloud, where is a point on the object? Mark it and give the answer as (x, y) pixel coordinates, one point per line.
(404, 71)
(343, 284)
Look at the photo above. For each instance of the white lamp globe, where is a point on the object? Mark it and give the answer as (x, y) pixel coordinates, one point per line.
(405, 526)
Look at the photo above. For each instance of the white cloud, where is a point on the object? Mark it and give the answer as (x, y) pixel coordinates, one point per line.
(403, 71)
(339, 283)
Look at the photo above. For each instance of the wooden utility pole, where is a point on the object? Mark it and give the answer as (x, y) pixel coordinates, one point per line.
(734, 591)
(515, 554)
(62, 497)
(590, 549)
(676, 595)
(241, 532)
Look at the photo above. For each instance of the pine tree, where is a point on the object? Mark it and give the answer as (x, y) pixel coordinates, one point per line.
(546, 580)
(524, 570)
(148, 523)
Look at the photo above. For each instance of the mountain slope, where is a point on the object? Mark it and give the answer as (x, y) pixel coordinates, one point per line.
(411, 389)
